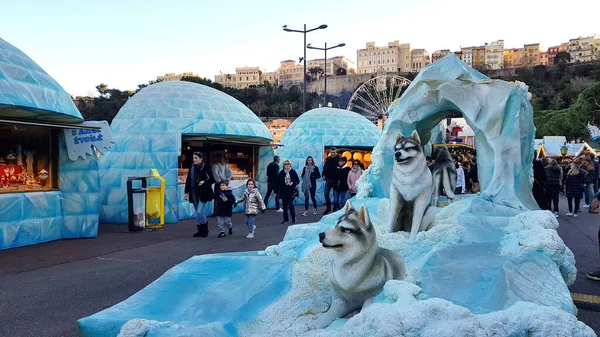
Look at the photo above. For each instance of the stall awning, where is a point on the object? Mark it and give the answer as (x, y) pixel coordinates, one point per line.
(231, 140)
(47, 124)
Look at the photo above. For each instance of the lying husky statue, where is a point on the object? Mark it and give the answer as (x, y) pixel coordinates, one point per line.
(411, 187)
(360, 268)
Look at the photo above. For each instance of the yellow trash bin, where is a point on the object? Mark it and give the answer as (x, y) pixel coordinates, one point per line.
(155, 201)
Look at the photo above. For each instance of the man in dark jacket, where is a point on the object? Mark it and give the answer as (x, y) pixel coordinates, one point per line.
(596, 174)
(539, 183)
(330, 176)
(554, 179)
(595, 275)
(272, 175)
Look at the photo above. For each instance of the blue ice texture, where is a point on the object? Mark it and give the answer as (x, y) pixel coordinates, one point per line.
(71, 212)
(318, 129)
(28, 92)
(148, 131)
(493, 264)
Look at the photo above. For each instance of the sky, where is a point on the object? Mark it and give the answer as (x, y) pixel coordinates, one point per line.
(125, 43)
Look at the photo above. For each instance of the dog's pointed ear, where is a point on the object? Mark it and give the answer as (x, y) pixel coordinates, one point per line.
(349, 207)
(399, 136)
(363, 215)
(415, 136)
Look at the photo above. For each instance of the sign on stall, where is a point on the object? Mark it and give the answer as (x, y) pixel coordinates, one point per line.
(82, 142)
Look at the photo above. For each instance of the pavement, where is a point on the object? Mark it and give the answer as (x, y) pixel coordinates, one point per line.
(46, 288)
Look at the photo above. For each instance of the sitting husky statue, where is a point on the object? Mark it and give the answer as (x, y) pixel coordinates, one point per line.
(444, 174)
(360, 268)
(411, 186)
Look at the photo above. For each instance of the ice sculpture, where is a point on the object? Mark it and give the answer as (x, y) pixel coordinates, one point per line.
(499, 112)
(489, 266)
(444, 174)
(360, 267)
(148, 131)
(319, 128)
(411, 186)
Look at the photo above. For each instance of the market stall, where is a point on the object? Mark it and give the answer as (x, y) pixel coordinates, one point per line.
(317, 130)
(463, 152)
(48, 184)
(163, 125)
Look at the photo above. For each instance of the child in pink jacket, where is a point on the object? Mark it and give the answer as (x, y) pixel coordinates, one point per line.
(353, 176)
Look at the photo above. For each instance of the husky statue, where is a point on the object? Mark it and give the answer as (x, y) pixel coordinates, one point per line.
(411, 187)
(444, 174)
(360, 267)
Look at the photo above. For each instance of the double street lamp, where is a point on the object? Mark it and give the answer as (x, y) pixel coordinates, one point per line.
(304, 75)
(325, 70)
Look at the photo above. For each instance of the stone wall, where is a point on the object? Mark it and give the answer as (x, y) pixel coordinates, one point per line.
(349, 83)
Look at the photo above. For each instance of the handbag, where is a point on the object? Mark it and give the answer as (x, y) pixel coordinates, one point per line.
(296, 193)
(475, 188)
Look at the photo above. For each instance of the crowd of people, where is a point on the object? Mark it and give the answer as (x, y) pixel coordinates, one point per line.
(577, 179)
(284, 183)
(338, 176)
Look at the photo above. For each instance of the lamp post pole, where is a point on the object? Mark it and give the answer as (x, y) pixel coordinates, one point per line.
(325, 70)
(304, 75)
(563, 150)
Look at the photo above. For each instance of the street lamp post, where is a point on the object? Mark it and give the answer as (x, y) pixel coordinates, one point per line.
(563, 150)
(304, 75)
(325, 70)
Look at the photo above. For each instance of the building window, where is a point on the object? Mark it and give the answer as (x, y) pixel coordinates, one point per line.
(31, 162)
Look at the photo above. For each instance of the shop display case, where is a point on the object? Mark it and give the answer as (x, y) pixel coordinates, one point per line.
(28, 158)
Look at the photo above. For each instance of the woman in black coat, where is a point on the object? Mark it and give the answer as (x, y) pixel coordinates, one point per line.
(198, 191)
(310, 174)
(286, 184)
(539, 184)
(575, 186)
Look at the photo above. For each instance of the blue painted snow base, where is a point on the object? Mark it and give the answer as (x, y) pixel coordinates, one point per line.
(485, 262)
(221, 288)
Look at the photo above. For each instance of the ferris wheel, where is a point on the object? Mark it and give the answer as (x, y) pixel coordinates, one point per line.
(373, 98)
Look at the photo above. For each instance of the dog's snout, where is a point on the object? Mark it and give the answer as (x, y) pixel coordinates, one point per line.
(398, 154)
(321, 236)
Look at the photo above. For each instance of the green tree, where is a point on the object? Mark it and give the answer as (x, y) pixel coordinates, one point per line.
(258, 107)
(562, 57)
(314, 72)
(102, 89)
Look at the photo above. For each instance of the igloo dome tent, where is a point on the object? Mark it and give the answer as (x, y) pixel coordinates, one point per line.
(28, 92)
(315, 131)
(44, 195)
(167, 120)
